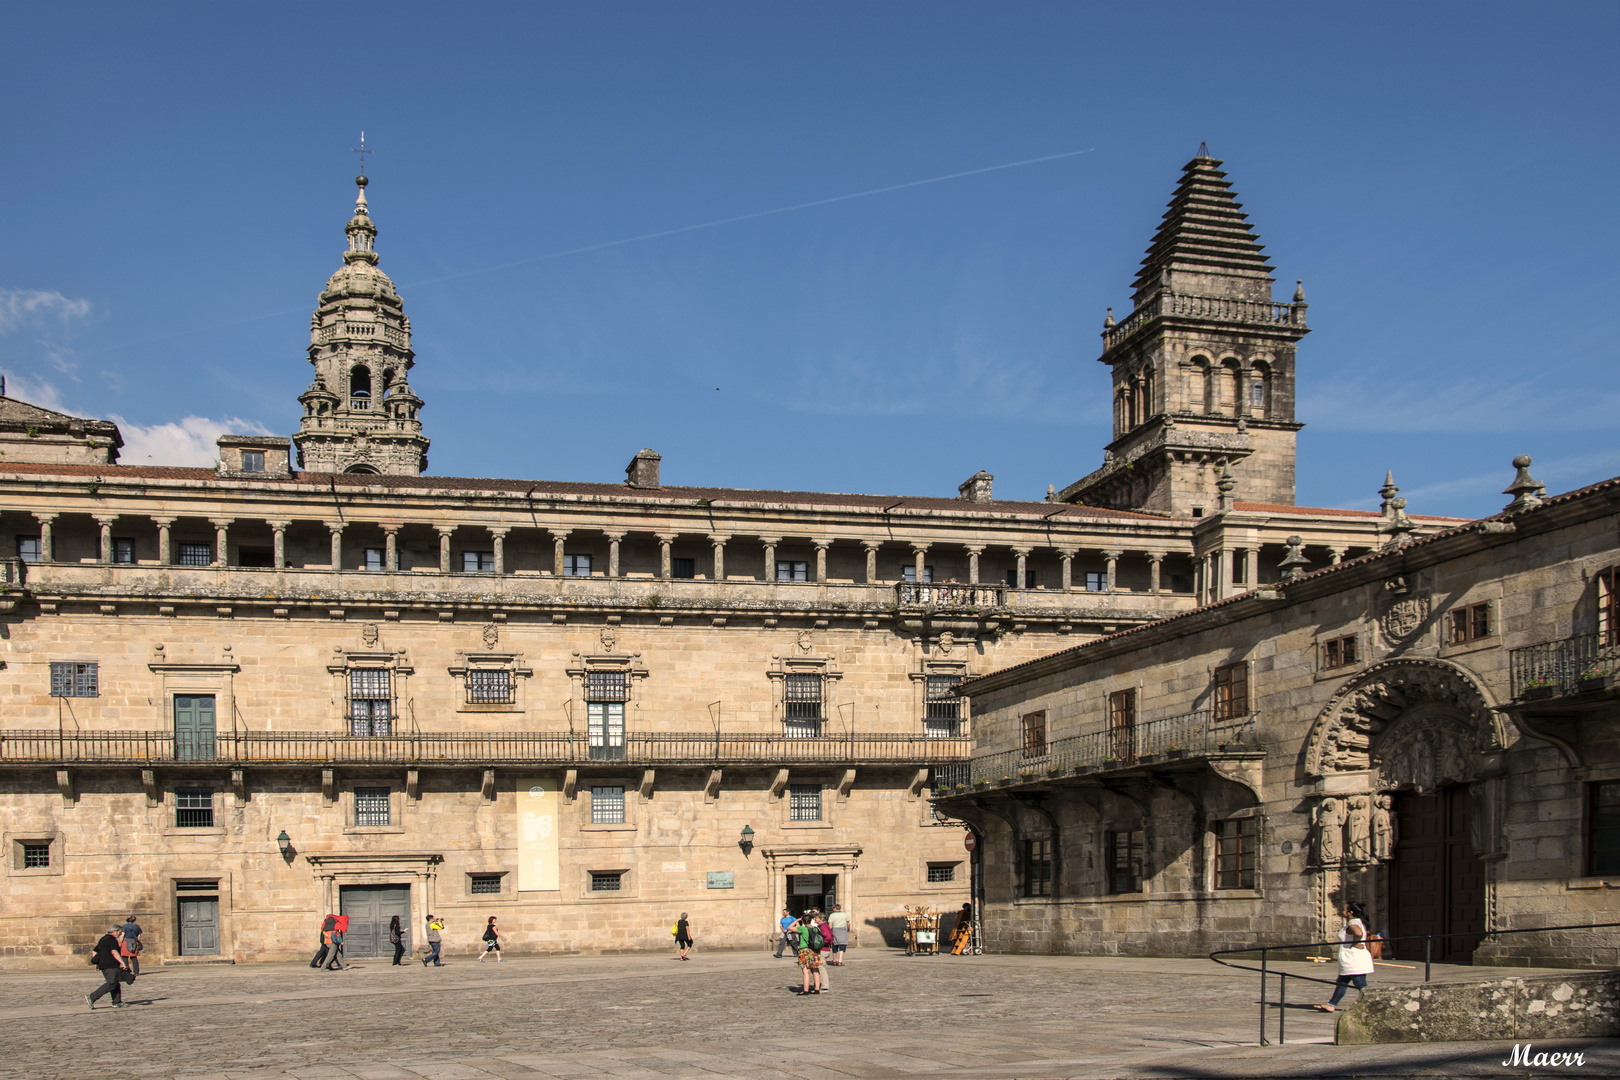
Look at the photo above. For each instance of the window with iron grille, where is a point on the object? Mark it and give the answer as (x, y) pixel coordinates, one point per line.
(371, 701)
(1603, 830)
(942, 709)
(801, 704)
(28, 548)
(196, 554)
(487, 686)
(804, 802)
(1608, 583)
(1231, 691)
(576, 566)
(607, 880)
(478, 562)
(194, 808)
(1234, 853)
(36, 856)
(74, 680)
(371, 806)
(1034, 733)
(1125, 861)
(605, 693)
(607, 805)
(1340, 652)
(790, 570)
(484, 884)
(683, 568)
(1038, 867)
(123, 551)
(941, 872)
(1471, 623)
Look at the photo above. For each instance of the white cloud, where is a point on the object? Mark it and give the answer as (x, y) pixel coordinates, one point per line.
(187, 443)
(34, 391)
(18, 306)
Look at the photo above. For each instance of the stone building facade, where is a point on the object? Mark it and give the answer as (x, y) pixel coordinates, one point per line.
(1432, 729)
(316, 678)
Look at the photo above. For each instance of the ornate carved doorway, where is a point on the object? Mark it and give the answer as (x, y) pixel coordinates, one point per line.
(1437, 883)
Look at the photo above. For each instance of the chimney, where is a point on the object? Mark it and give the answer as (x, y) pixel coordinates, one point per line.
(642, 472)
(975, 488)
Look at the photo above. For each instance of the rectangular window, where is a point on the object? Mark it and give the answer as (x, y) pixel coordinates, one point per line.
(194, 808)
(942, 709)
(1609, 606)
(801, 705)
(372, 806)
(485, 687)
(1012, 579)
(1234, 853)
(74, 680)
(1096, 581)
(804, 802)
(1034, 734)
(1340, 652)
(607, 880)
(372, 558)
(123, 552)
(36, 856)
(1038, 867)
(1603, 835)
(28, 548)
(1122, 724)
(253, 461)
(683, 568)
(791, 570)
(1125, 861)
(576, 566)
(196, 554)
(477, 562)
(607, 805)
(371, 701)
(908, 573)
(1470, 623)
(484, 884)
(1231, 691)
(941, 872)
(605, 695)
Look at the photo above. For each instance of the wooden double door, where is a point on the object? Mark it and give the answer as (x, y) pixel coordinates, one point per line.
(1437, 883)
(370, 908)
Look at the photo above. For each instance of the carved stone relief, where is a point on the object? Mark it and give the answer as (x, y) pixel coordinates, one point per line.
(1405, 617)
(1363, 712)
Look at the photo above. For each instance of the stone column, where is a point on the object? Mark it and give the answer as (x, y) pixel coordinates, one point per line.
(559, 537)
(1111, 583)
(1023, 559)
(1224, 574)
(222, 532)
(1244, 559)
(613, 539)
(665, 540)
(278, 543)
(106, 524)
(336, 528)
(445, 532)
(821, 560)
(871, 547)
(1154, 559)
(974, 551)
(390, 548)
(499, 536)
(165, 555)
(47, 543)
(1067, 555)
(719, 543)
(1336, 555)
(920, 551)
(770, 543)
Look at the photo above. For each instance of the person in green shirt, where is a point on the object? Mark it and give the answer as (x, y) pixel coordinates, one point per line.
(810, 954)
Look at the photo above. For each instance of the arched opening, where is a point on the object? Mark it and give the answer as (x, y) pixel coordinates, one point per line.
(360, 387)
(1198, 386)
(1145, 410)
(1121, 412)
(367, 469)
(1258, 402)
(387, 381)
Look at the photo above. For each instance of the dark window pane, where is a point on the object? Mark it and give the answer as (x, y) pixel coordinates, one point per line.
(196, 554)
(486, 884)
(683, 568)
(607, 805)
(609, 882)
(36, 856)
(371, 806)
(194, 808)
(1605, 828)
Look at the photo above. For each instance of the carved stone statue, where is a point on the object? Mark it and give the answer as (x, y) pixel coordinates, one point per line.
(1357, 829)
(1329, 832)
(1383, 828)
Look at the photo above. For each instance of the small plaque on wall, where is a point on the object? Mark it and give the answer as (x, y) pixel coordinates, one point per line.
(721, 879)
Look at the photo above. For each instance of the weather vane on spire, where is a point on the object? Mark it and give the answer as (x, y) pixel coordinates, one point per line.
(362, 151)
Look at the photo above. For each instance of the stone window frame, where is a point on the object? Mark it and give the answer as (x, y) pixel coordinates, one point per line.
(1028, 886)
(936, 668)
(830, 802)
(1360, 634)
(1488, 597)
(928, 863)
(1245, 667)
(629, 883)
(511, 662)
(506, 891)
(395, 661)
(171, 806)
(196, 678)
(782, 667)
(398, 806)
(1589, 806)
(582, 665)
(16, 838)
(632, 804)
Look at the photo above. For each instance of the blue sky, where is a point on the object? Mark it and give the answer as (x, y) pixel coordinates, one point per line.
(177, 178)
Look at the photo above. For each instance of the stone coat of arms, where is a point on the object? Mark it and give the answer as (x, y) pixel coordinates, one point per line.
(1405, 617)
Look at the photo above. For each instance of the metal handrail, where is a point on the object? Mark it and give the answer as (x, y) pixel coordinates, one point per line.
(1428, 961)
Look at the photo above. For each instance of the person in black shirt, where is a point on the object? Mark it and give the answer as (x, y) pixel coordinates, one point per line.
(112, 968)
(683, 935)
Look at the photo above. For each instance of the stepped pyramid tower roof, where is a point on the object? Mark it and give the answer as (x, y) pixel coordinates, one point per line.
(360, 413)
(1205, 236)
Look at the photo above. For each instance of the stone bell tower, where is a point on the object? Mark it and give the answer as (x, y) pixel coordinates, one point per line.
(360, 415)
(1203, 366)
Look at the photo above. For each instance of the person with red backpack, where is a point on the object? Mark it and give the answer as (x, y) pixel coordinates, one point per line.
(327, 926)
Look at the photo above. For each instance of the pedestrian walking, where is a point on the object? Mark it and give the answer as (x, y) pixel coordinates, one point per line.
(824, 934)
(809, 957)
(839, 921)
(683, 937)
(328, 924)
(787, 939)
(492, 942)
(340, 926)
(130, 944)
(396, 938)
(1355, 960)
(434, 925)
(107, 960)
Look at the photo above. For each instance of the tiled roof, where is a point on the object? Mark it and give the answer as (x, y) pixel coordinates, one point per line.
(1327, 511)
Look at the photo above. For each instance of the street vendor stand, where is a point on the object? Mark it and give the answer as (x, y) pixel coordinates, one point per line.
(922, 932)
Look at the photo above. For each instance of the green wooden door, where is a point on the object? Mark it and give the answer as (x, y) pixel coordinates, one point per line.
(193, 727)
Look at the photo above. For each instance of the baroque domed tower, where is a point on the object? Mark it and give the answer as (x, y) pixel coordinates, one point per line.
(360, 413)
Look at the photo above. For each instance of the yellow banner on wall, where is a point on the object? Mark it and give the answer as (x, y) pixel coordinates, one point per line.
(537, 836)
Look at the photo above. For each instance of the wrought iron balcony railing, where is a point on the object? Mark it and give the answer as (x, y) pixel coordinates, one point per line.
(491, 748)
(1554, 668)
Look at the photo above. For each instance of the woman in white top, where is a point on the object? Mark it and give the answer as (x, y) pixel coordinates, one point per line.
(1355, 962)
